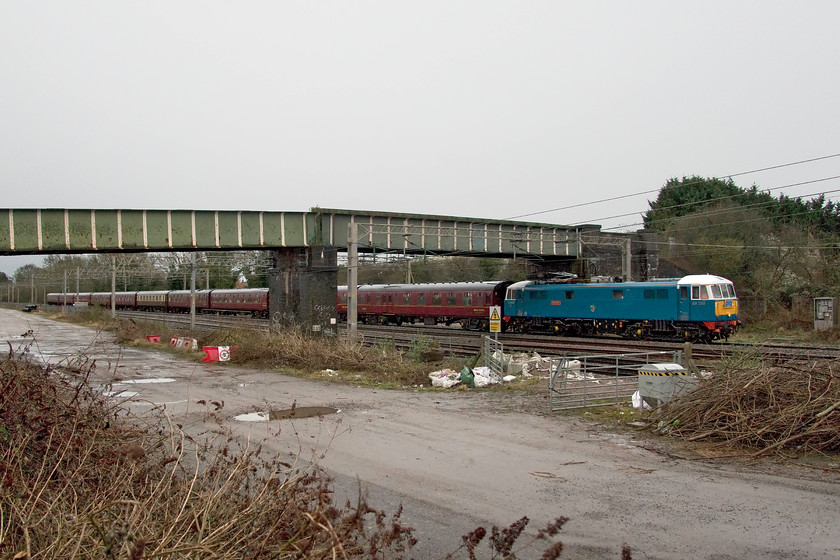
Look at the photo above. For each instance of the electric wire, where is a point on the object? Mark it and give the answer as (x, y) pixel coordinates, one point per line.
(721, 177)
(718, 199)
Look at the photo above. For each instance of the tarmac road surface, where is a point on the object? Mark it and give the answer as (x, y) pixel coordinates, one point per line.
(460, 459)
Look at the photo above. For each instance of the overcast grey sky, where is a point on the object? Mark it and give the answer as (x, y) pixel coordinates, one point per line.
(481, 108)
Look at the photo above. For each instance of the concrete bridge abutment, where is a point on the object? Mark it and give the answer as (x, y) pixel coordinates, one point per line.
(302, 288)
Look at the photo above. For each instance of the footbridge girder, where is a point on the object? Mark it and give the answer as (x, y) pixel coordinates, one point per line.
(49, 231)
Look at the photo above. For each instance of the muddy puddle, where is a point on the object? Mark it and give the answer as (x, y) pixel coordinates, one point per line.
(300, 412)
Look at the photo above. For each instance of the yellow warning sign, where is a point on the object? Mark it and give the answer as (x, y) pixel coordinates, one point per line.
(496, 318)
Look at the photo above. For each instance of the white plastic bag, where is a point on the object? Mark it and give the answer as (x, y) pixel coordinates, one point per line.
(444, 378)
(638, 402)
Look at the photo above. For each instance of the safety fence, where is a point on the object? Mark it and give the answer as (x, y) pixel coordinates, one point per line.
(494, 355)
(599, 380)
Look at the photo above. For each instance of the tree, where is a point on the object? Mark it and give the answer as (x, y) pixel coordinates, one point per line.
(770, 247)
(681, 197)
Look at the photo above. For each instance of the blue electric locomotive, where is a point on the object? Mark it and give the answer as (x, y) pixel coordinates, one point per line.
(696, 308)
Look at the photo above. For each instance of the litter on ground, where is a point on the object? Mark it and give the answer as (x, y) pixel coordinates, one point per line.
(477, 377)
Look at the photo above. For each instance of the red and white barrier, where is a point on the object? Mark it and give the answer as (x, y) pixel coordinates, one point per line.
(183, 342)
(153, 338)
(216, 354)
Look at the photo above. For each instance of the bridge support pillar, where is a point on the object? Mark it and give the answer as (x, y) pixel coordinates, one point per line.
(302, 288)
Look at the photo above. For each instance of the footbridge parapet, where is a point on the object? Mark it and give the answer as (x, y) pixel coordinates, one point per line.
(50, 231)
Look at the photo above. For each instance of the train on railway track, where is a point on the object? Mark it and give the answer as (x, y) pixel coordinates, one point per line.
(246, 301)
(694, 308)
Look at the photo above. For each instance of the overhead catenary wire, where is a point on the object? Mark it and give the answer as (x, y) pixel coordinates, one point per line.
(718, 199)
(721, 177)
(723, 211)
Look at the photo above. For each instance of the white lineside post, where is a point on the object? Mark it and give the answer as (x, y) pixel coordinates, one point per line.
(113, 285)
(64, 294)
(352, 281)
(625, 265)
(192, 292)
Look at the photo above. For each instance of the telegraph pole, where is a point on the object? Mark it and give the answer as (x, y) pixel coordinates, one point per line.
(192, 292)
(113, 285)
(352, 281)
(626, 262)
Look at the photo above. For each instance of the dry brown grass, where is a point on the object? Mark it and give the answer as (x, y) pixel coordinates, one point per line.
(289, 349)
(356, 363)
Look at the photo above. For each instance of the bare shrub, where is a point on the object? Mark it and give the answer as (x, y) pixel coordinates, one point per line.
(765, 406)
(80, 481)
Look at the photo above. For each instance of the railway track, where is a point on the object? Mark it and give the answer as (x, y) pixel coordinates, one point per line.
(455, 341)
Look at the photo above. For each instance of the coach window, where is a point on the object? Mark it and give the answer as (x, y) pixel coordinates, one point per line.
(436, 298)
(618, 294)
(406, 299)
(421, 299)
(466, 298)
(451, 299)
